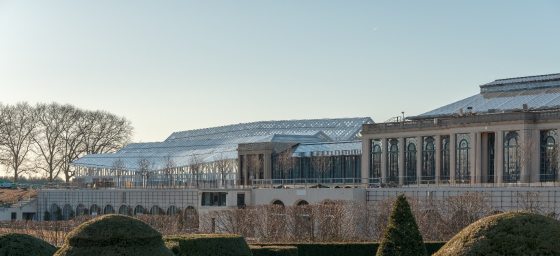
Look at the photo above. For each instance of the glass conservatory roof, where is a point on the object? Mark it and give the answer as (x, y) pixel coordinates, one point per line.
(537, 92)
(220, 143)
(328, 149)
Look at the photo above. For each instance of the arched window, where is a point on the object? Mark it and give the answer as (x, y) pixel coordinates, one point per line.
(393, 161)
(67, 212)
(139, 210)
(445, 159)
(549, 156)
(428, 160)
(81, 210)
(56, 212)
(278, 203)
(95, 210)
(462, 172)
(124, 210)
(511, 158)
(108, 209)
(410, 164)
(375, 168)
(172, 210)
(156, 210)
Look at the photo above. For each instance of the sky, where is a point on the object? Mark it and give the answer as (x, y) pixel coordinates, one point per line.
(179, 65)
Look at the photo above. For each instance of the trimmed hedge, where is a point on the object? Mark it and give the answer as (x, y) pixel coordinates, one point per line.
(511, 233)
(341, 248)
(208, 245)
(23, 245)
(112, 234)
(274, 250)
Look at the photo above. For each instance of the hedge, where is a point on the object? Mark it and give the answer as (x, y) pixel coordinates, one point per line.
(24, 245)
(342, 248)
(110, 235)
(274, 250)
(511, 233)
(208, 245)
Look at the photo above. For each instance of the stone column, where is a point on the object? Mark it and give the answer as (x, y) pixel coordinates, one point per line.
(419, 152)
(525, 155)
(384, 150)
(452, 153)
(535, 156)
(366, 160)
(437, 157)
(499, 158)
(401, 160)
(267, 162)
(244, 169)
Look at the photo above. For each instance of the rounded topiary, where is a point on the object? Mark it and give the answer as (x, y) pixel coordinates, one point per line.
(402, 236)
(23, 245)
(510, 233)
(208, 245)
(274, 250)
(114, 235)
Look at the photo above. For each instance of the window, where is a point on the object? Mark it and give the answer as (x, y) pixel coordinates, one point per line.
(462, 172)
(511, 157)
(428, 159)
(213, 198)
(375, 164)
(445, 166)
(393, 162)
(410, 161)
(549, 156)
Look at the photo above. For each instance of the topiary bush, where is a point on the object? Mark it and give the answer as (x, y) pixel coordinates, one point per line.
(23, 245)
(274, 250)
(402, 236)
(511, 233)
(112, 234)
(208, 245)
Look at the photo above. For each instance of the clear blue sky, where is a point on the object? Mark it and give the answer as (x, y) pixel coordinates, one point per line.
(178, 65)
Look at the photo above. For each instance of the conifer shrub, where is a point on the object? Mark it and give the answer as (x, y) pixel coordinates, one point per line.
(510, 233)
(23, 245)
(113, 234)
(274, 250)
(208, 245)
(402, 236)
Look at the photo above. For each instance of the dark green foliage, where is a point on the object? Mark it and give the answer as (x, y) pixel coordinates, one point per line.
(208, 245)
(351, 248)
(274, 250)
(402, 236)
(511, 233)
(23, 245)
(112, 234)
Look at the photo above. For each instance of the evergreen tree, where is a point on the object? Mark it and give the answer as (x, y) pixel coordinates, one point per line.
(402, 236)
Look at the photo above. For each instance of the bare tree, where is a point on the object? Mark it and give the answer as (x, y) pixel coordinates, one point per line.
(168, 170)
(144, 171)
(73, 140)
(285, 162)
(321, 164)
(16, 136)
(105, 132)
(119, 168)
(224, 166)
(195, 166)
(52, 121)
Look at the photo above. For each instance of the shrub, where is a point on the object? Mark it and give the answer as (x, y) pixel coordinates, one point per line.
(402, 236)
(23, 245)
(112, 234)
(511, 233)
(208, 245)
(274, 250)
(343, 248)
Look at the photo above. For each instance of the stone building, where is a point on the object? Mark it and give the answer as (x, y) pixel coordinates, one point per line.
(508, 133)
